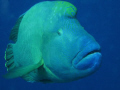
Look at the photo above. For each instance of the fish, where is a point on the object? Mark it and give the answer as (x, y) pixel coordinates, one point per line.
(50, 45)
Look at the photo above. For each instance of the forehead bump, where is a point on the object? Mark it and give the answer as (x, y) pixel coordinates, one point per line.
(65, 8)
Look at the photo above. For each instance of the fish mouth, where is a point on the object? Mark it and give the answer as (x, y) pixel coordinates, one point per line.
(92, 52)
(88, 58)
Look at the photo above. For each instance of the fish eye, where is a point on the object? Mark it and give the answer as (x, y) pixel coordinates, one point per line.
(60, 32)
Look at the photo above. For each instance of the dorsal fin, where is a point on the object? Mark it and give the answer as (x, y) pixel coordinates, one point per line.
(15, 29)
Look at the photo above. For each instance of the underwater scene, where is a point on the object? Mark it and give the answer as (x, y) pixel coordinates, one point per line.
(59, 45)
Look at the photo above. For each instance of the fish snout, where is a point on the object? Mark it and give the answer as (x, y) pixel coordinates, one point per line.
(88, 58)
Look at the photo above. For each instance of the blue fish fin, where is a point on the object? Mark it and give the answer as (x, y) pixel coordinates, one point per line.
(13, 71)
(20, 71)
(9, 57)
(15, 29)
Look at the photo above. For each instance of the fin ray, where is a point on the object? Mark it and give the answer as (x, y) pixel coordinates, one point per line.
(20, 71)
(9, 57)
(15, 29)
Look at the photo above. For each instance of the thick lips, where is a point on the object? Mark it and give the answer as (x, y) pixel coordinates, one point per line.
(89, 57)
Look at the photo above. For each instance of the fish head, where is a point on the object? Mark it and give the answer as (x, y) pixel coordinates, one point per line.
(69, 52)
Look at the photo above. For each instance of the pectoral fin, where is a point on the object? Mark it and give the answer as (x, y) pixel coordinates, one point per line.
(20, 71)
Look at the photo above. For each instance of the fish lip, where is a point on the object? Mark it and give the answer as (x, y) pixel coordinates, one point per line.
(91, 52)
(91, 62)
(87, 51)
(85, 55)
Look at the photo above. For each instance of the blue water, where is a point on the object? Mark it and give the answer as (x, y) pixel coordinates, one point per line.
(101, 18)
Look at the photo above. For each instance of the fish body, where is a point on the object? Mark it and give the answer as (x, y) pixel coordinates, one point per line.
(51, 45)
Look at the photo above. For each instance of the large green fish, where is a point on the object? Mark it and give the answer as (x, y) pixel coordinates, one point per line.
(51, 45)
